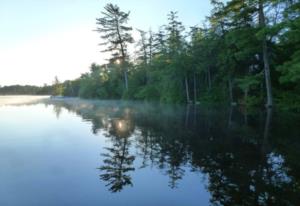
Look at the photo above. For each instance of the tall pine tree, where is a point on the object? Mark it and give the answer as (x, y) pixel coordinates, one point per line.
(116, 35)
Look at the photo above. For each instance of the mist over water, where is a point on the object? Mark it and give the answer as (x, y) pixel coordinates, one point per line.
(20, 99)
(78, 152)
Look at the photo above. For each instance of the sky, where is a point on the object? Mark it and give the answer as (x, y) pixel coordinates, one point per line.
(41, 39)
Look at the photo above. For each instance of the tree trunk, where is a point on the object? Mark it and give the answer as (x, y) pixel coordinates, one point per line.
(262, 24)
(246, 116)
(126, 79)
(230, 117)
(230, 87)
(187, 90)
(195, 88)
(187, 115)
(266, 130)
(246, 96)
(195, 115)
(209, 79)
(72, 90)
(123, 55)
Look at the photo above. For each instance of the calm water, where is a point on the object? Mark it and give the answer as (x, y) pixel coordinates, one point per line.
(75, 152)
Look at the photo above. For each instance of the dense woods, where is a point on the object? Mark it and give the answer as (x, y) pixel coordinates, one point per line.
(247, 52)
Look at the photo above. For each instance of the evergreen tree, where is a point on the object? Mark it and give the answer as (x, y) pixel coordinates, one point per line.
(57, 87)
(116, 35)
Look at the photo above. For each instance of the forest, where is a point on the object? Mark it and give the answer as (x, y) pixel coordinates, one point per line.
(247, 52)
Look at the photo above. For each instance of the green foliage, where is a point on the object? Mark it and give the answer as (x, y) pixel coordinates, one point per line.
(71, 88)
(215, 95)
(290, 70)
(249, 82)
(227, 57)
(58, 88)
(150, 92)
(288, 101)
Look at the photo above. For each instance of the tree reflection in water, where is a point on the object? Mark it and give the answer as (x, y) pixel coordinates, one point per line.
(117, 161)
(247, 162)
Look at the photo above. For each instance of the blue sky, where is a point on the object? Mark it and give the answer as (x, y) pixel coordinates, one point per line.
(44, 38)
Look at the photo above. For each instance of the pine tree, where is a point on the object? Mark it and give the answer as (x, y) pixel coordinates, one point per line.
(142, 44)
(117, 36)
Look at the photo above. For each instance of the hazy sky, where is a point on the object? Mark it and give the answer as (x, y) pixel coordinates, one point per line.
(40, 39)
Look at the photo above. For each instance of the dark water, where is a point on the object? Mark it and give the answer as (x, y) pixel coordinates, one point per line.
(119, 153)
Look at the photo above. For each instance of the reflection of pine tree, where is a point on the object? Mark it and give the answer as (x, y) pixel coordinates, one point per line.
(148, 148)
(176, 159)
(57, 109)
(175, 173)
(117, 163)
(164, 152)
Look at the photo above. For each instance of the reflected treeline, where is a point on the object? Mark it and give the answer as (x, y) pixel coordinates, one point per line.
(248, 158)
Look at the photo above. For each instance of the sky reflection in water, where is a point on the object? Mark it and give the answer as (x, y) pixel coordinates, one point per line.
(78, 152)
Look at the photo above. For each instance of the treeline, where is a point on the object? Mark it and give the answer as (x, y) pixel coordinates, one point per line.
(66, 88)
(248, 52)
(25, 90)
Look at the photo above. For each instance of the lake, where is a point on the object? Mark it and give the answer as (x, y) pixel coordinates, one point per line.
(78, 152)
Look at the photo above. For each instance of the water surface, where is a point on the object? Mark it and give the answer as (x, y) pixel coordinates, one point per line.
(76, 152)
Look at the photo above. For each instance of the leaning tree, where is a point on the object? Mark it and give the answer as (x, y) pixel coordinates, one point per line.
(116, 35)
